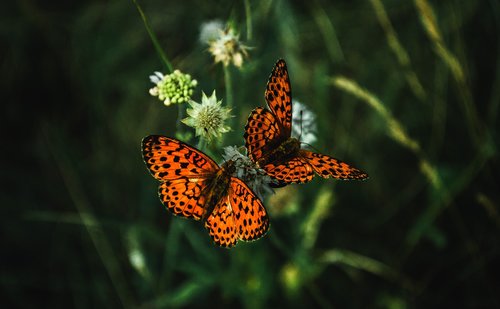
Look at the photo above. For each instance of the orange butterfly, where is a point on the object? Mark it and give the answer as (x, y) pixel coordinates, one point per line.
(270, 145)
(194, 186)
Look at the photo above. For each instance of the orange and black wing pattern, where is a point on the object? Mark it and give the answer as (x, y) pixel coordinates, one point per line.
(267, 131)
(183, 172)
(262, 134)
(279, 97)
(187, 176)
(295, 170)
(326, 166)
(238, 216)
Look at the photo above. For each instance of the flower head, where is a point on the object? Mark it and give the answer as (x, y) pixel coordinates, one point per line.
(210, 31)
(223, 44)
(303, 123)
(256, 178)
(172, 88)
(208, 117)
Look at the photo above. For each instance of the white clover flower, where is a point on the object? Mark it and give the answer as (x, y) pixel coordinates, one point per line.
(172, 88)
(246, 170)
(210, 31)
(303, 123)
(208, 117)
(226, 46)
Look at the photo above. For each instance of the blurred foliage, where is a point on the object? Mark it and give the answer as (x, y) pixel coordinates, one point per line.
(407, 90)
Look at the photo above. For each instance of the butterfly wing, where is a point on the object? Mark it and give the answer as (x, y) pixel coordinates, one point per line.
(326, 166)
(168, 158)
(278, 95)
(238, 216)
(183, 197)
(250, 216)
(262, 133)
(183, 172)
(221, 226)
(295, 170)
(268, 129)
(186, 174)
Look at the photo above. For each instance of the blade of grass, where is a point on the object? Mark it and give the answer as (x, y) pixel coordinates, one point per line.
(327, 29)
(495, 96)
(90, 221)
(444, 198)
(394, 127)
(428, 19)
(490, 207)
(365, 263)
(398, 50)
(310, 227)
(154, 39)
(397, 132)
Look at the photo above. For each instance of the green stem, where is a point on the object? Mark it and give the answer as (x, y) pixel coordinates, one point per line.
(248, 13)
(180, 116)
(229, 97)
(229, 87)
(201, 144)
(152, 35)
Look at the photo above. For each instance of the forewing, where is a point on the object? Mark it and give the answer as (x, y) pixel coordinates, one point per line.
(183, 196)
(262, 133)
(279, 96)
(168, 158)
(250, 216)
(326, 166)
(221, 225)
(295, 170)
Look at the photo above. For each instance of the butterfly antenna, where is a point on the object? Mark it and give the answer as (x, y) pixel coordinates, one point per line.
(310, 146)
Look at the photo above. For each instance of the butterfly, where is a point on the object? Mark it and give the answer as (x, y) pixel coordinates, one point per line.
(270, 145)
(192, 185)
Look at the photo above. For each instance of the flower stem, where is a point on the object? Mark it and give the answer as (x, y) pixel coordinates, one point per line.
(229, 87)
(229, 96)
(152, 35)
(201, 144)
(248, 13)
(180, 115)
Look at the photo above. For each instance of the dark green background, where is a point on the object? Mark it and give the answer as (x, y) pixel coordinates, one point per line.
(77, 200)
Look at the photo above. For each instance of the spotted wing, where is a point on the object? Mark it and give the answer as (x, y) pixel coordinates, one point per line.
(262, 133)
(183, 172)
(250, 216)
(238, 216)
(279, 97)
(326, 166)
(168, 158)
(221, 225)
(184, 196)
(295, 170)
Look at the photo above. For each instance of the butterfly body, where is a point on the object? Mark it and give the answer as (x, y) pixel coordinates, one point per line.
(217, 187)
(270, 144)
(192, 185)
(287, 150)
